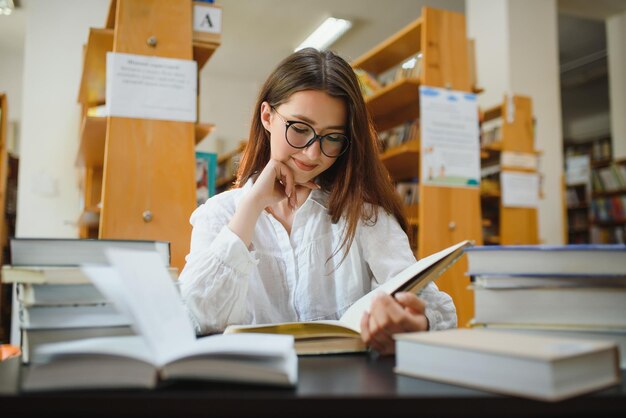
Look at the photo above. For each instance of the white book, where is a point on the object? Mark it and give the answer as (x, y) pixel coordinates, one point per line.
(33, 338)
(614, 334)
(52, 275)
(55, 295)
(165, 346)
(74, 252)
(64, 317)
(536, 367)
(605, 306)
(577, 259)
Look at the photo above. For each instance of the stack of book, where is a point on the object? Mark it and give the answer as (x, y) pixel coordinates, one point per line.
(165, 347)
(55, 300)
(576, 291)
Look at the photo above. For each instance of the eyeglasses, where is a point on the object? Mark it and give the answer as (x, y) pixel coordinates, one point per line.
(302, 135)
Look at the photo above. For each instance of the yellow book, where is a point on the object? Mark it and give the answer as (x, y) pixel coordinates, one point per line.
(344, 335)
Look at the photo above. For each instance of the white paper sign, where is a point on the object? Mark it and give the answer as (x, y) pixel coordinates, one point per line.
(139, 86)
(519, 190)
(450, 140)
(578, 169)
(518, 160)
(207, 19)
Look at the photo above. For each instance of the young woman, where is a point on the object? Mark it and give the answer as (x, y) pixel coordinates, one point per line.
(314, 223)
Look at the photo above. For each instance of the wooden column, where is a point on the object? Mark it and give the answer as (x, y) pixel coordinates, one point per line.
(448, 215)
(149, 165)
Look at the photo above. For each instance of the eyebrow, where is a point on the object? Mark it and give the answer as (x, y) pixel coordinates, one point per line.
(307, 120)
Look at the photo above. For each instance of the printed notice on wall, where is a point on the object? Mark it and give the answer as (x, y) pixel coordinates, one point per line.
(144, 87)
(450, 143)
(519, 190)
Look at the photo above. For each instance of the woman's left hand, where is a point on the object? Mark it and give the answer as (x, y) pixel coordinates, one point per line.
(390, 315)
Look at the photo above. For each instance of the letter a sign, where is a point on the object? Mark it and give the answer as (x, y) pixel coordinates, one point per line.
(207, 19)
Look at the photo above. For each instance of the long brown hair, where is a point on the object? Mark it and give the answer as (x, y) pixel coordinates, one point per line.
(358, 175)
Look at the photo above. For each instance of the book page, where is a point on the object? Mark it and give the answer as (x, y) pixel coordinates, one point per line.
(145, 287)
(352, 317)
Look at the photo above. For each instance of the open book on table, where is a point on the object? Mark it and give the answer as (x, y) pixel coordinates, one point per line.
(344, 335)
(165, 346)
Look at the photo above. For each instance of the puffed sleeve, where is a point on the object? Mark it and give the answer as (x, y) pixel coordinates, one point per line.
(214, 281)
(387, 252)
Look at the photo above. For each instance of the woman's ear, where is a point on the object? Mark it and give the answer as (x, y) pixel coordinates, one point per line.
(265, 115)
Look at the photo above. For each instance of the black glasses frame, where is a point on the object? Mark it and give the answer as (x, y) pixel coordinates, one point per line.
(316, 137)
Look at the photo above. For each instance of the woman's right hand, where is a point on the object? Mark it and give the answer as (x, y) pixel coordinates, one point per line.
(274, 184)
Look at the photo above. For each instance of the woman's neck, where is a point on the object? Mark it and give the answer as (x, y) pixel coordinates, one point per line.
(283, 213)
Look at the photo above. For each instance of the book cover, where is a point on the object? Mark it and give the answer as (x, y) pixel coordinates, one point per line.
(206, 173)
(606, 259)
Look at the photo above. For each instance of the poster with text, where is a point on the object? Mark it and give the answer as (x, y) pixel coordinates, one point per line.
(144, 87)
(450, 140)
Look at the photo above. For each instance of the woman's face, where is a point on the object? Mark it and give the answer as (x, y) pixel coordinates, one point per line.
(326, 114)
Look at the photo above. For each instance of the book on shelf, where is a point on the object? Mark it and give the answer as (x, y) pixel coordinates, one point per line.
(165, 347)
(74, 252)
(206, 173)
(344, 335)
(576, 259)
(530, 366)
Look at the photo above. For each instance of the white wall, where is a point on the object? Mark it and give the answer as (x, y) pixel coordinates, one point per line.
(11, 81)
(48, 196)
(517, 52)
(616, 45)
(228, 102)
(487, 27)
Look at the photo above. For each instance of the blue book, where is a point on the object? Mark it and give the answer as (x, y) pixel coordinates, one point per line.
(581, 259)
(206, 172)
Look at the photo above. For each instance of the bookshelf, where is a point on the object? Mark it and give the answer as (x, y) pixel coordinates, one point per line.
(227, 168)
(608, 202)
(507, 146)
(139, 174)
(442, 216)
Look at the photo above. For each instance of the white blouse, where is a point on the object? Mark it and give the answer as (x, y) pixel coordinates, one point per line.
(286, 278)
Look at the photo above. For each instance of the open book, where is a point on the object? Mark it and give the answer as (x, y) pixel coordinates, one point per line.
(165, 346)
(344, 335)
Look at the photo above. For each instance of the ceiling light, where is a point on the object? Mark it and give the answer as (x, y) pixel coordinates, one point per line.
(327, 33)
(6, 7)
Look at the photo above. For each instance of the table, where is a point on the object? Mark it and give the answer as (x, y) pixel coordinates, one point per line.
(339, 385)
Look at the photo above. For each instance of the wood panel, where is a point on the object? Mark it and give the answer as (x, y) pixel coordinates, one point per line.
(518, 226)
(517, 126)
(445, 60)
(449, 215)
(149, 165)
(393, 50)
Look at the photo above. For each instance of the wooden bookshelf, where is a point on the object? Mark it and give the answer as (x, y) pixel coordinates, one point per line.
(402, 161)
(445, 215)
(515, 225)
(151, 160)
(93, 78)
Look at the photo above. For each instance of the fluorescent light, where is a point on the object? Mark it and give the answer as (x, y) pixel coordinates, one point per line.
(327, 33)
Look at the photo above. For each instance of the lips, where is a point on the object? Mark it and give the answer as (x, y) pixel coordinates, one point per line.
(303, 166)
